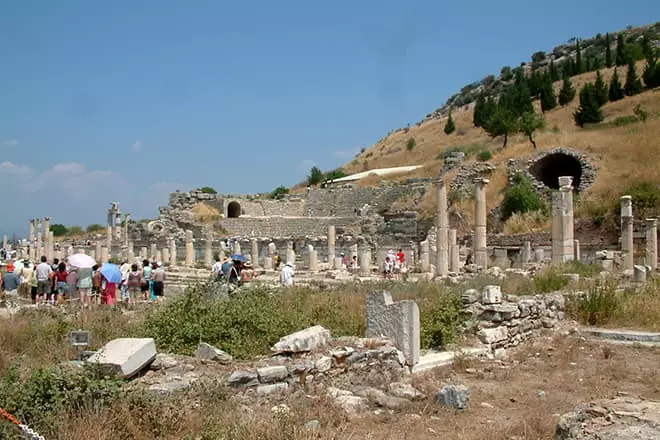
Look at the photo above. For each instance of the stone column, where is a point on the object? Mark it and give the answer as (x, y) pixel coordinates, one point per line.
(33, 254)
(4, 241)
(442, 229)
(38, 245)
(166, 255)
(480, 245)
(97, 251)
(627, 250)
(208, 251)
(331, 247)
(562, 222)
(313, 263)
(172, 252)
(104, 255)
(158, 256)
(130, 250)
(237, 248)
(454, 263)
(47, 242)
(152, 251)
(576, 250)
(425, 261)
(290, 254)
(255, 253)
(144, 253)
(364, 260)
(652, 243)
(127, 219)
(109, 238)
(50, 244)
(190, 248)
(526, 253)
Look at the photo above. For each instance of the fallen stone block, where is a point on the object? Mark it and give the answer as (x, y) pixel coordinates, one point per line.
(323, 364)
(211, 353)
(243, 378)
(304, 340)
(456, 396)
(163, 361)
(265, 390)
(381, 399)
(491, 295)
(352, 405)
(491, 335)
(125, 356)
(273, 374)
(405, 391)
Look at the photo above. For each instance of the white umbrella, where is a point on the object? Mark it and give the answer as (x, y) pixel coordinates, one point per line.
(81, 260)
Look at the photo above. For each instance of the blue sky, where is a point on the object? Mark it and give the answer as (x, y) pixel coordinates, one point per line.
(130, 100)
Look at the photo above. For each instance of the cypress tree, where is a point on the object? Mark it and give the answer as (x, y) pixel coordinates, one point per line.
(489, 109)
(608, 51)
(450, 127)
(616, 91)
(620, 50)
(579, 66)
(652, 70)
(567, 92)
(553, 72)
(602, 94)
(633, 84)
(589, 111)
(548, 98)
(478, 115)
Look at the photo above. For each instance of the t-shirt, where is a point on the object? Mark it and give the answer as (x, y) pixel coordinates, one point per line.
(158, 275)
(147, 273)
(286, 276)
(401, 257)
(85, 278)
(43, 271)
(217, 267)
(134, 279)
(60, 277)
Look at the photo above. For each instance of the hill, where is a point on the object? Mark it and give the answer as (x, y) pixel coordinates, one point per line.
(623, 147)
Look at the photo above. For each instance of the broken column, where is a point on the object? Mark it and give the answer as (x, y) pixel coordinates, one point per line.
(152, 251)
(480, 245)
(652, 243)
(208, 250)
(255, 253)
(50, 246)
(442, 228)
(562, 221)
(331, 247)
(425, 261)
(38, 245)
(627, 251)
(190, 248)
(47, 249)
(526, 253)
(290, 253)
(454, 263)
(313, 258)
(33, 253)
(172, 252)
(576, 250)
(364, 261)
(97, 250)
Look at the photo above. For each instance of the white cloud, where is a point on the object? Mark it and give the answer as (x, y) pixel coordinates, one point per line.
(137, 145)
(69, 168)
(347, 154)
(15, 170)
(10, 142)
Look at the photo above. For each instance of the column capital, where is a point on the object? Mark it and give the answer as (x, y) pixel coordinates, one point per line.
(47, 219)
(652, 222)
(481, 181)
(565, 183)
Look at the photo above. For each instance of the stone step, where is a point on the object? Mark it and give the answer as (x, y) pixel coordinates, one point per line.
(621, 335)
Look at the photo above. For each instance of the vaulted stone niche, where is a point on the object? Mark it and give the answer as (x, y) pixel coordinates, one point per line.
(233, 209)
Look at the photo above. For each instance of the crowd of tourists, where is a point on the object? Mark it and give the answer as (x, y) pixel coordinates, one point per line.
(60, 282)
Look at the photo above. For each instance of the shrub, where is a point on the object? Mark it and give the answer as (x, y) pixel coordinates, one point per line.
(596, 307)
(208, 190)
(75, 230)
(520, 197)
(550, 280)
(440, 320)
(484, 155)
(279, 192)
(646, 198)
(315, 176)
(94, 227)
(411, 144)
(641, 113)
(59, 230)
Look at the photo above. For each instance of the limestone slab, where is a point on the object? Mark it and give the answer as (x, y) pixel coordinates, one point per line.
(272, 374)
(126, 356)
(303, 340)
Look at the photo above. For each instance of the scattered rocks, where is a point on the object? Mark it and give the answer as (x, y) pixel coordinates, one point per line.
(304, 340)
(380, 398)
(272, 374)
(211, 353)
(163, 361)
(456, 396)
(244, 378)
(323, 364)
(265, 390)
(405, 391)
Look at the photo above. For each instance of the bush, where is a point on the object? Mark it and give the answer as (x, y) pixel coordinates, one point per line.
(315, 176)
(520, 197)
(646, 199)
(208, 190)
(440, 319)
(279, 192)
(411, 144)
(59, 230)
(95, 227)
(484, 155)
(596, 307)
(550, 280)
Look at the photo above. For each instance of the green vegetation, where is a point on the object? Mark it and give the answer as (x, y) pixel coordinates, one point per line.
(411, 144)
(520, 197)
(335, 174)
(315, 176)
(646, 197)
(94, 227)
(597, 306)
(567, 92)
(208, 190)
(608, 51)
(641, 113)
(602, 92)
(59, 230)
(279, 192)
(633, 84)
(450, 126)
(589, 111)
(484, 155)
(529, 123)
(615, 91)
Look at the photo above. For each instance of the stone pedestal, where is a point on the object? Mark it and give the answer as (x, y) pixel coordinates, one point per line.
(208, 251)
(255, 253)
(480, 216)
(190, 249)
(398, 321)
(639, 274)
(331, 246)
(627, 249)
(442, 228)
(562, 221)
(652, 243)
(425, 261)
(526, 253)
(364, 261)
(313, 259)
(454, 263)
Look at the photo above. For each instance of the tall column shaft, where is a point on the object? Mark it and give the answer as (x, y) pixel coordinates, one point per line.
(190, 249)
(38, 245)
(480, 216)
(627, 233)
(652, 243)
(47, 249)
(32, 253)
(255, 253)
(172, 252)
(424, 258)
(562, 222)
(208, 251)
(453, 252)
(442, 249)
(331, 247)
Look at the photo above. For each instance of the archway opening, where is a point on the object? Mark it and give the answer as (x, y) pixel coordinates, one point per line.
(234, 209)
(550, 168)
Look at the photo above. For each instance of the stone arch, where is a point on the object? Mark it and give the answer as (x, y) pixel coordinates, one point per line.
(549, 166)
(233, 209)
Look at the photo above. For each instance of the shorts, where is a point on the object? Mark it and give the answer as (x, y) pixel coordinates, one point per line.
(62, 288)
(43, 287)
(144, 287)
(33, 292)
(85, 292)
(158, 288)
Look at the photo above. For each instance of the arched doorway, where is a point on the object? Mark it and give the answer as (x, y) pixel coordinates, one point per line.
(234, 209)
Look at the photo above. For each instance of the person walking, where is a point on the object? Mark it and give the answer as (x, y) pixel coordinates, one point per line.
(146, 280)
(125, 269)
(133, 283)
(10, 283)
(109, 292)
(286, 276)
(97, 284)
(44, 272)
(85, 285)
(158, 279)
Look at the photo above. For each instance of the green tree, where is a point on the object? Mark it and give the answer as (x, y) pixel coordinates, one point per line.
(602, 93)
(315, 176)
(478, 115)
(208, 190)
(529, 123)
(633, 84)
(579, 66)
(94, 227)
(520, 197)
(58, 230)
(506, 73)
(279, 192)
(335, 174)
(608, 51)
(503, 122)
(489, 109)
(567, 92)
(450, 127)
(411, 144)
(548, 98)
(616, 91)
(652, 70)
(620, 50)
(75, 230)
(553, 71)
(589, 111)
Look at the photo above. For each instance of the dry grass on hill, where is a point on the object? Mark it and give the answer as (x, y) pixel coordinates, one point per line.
(624, 154)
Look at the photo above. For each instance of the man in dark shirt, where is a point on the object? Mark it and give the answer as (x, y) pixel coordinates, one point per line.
(10, 283)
